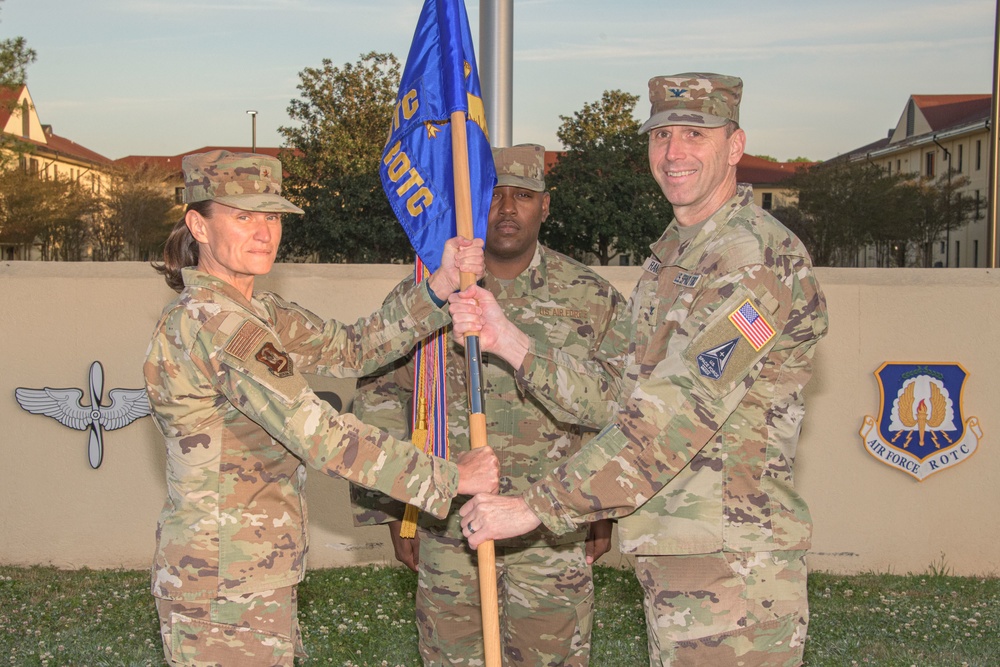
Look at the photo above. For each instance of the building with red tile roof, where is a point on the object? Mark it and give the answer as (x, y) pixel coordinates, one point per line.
(37, 149)
(43, 151)
(937, 138)
(769, 180)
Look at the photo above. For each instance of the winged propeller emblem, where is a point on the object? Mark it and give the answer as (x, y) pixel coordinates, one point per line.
(66, 407)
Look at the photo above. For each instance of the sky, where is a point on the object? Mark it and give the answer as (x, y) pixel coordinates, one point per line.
(821, 77)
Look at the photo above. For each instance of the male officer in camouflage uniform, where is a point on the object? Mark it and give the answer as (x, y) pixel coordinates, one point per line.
(544, 580)
(700, 436)
(224, 378)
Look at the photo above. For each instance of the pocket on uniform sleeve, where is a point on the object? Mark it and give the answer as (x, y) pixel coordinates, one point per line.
(253, 351)
(734, 339)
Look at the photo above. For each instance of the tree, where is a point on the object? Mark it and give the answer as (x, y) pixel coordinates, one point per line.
(845, 207)
(849, 206)
(943, 209)
(332, 160)
(26, 204)
(53, 214)
(15, 56)
(136, 218)
(604, 200)
(65, 235)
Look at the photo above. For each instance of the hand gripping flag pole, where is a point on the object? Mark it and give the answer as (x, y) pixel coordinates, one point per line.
(489, 605)
(439, 183)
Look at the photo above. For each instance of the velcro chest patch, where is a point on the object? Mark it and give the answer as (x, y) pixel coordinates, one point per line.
(572, 313)
(689, 280)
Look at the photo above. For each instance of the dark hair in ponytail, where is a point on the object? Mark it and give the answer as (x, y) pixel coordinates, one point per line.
(181, 249)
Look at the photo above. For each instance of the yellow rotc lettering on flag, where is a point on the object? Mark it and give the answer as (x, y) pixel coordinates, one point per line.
(408, 106)
(399, 166)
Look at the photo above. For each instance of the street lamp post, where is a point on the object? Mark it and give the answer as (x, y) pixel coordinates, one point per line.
(253, 125)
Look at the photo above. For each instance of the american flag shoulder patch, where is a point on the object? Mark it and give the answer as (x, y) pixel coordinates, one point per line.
(245, 340)
(749, 322)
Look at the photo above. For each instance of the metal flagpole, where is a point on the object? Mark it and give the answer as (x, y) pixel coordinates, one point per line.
(991, 209)
(496, 72)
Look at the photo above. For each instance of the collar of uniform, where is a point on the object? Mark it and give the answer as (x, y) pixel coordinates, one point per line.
(533, 279)
(194, 278)
(666, 247)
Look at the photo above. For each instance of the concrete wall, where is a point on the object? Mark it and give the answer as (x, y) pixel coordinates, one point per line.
(57, 318)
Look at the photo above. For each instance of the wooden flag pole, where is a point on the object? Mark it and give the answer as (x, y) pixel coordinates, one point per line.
(489, 604)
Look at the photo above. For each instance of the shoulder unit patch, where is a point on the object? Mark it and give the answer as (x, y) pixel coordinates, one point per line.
(712, 363)
(278, 362)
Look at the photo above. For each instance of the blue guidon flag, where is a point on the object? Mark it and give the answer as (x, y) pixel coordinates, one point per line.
(440, 77)
(921, 428)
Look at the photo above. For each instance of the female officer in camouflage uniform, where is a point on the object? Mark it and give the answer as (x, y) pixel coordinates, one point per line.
(223, 374)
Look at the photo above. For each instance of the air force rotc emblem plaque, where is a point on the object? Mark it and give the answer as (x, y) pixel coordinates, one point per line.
(921, 428)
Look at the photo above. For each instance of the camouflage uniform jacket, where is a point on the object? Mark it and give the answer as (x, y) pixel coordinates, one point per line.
(224, 380)
(555, 299)
(700, 445)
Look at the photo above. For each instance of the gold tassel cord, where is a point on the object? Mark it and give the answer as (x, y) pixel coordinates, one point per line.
(419, 440)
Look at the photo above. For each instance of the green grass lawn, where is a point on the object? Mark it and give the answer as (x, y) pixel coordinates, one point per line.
(363, 616)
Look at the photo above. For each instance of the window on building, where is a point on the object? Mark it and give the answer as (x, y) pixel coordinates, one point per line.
(958, 253)
(766, 201)
(910, 118)
(888, 167)
(975, 253)
(929, 165)
(55, 172)
(25, 120)
(897, 166)
(179, 195)
(33, 166)
(961, 153)
(979, 154)
(978, 216)
(942, 247)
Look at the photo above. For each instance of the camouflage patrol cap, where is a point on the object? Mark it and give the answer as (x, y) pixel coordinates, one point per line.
(521, 166)
(247, 181)
(693, 98)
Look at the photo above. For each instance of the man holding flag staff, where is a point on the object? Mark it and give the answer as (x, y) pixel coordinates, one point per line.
(545, 583)
(698, 444)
